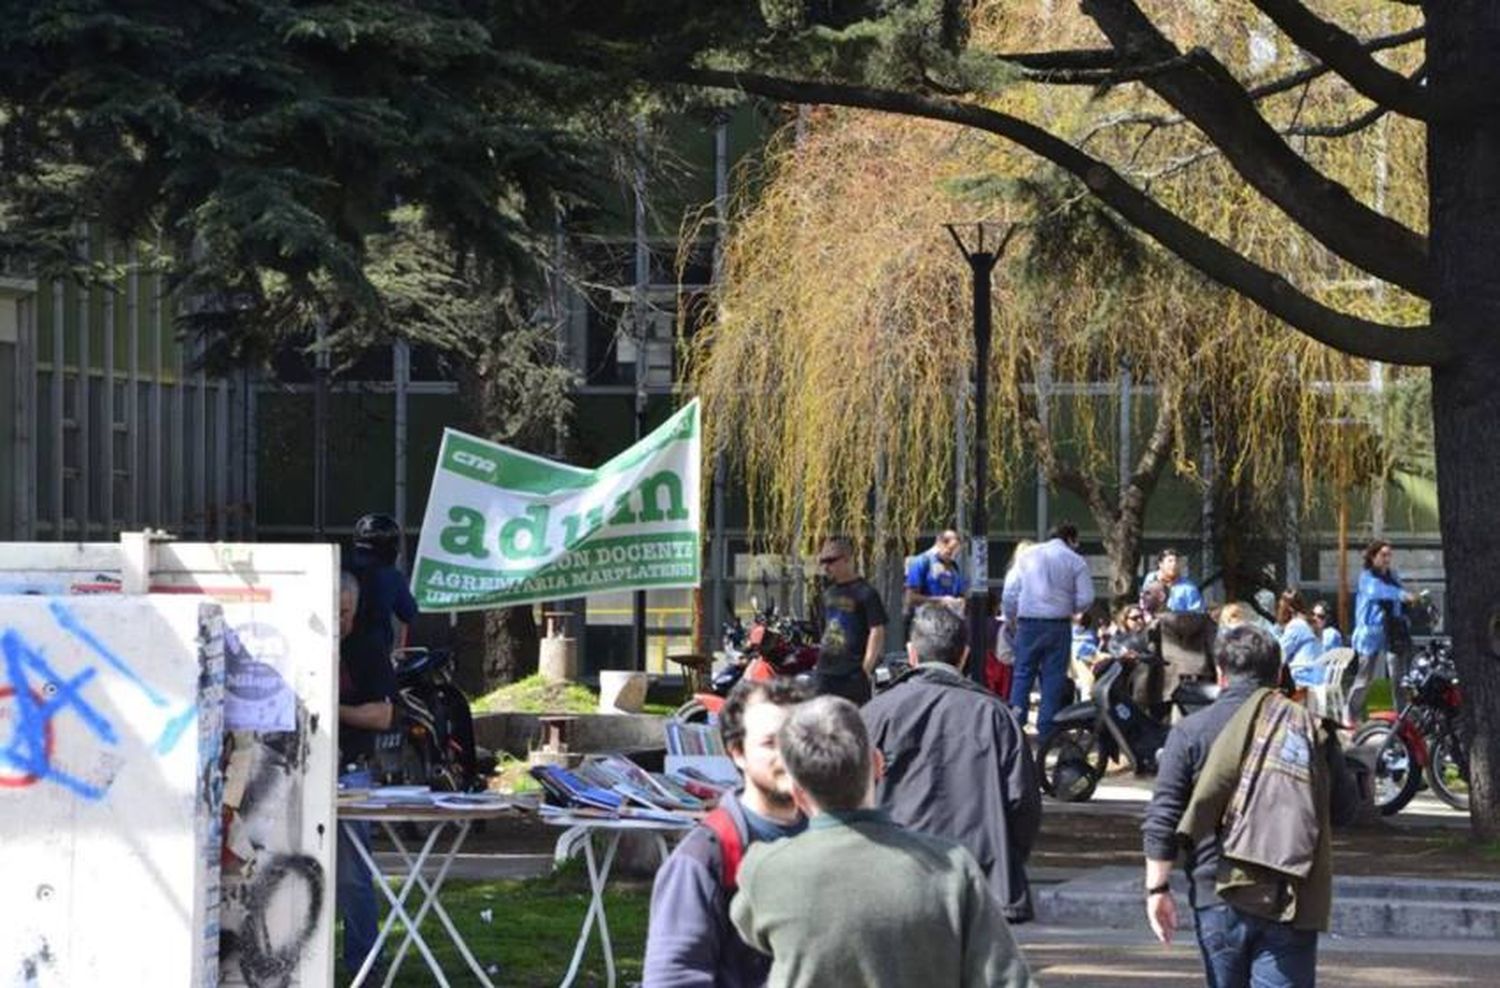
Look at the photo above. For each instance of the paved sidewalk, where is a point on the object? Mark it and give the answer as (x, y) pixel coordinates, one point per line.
(1116, 959)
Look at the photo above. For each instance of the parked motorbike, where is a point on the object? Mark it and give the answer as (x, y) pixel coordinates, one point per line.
(1426, 737)
(774, 644)
(432, 742)
(1088, 736)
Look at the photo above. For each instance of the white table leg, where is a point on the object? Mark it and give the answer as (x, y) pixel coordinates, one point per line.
(432, 902)
(398, 905)
(598, 877)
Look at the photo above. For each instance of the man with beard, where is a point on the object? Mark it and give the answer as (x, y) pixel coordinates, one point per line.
(690, 941)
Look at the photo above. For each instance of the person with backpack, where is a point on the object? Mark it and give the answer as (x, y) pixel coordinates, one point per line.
(690, 941)
(1251, 787)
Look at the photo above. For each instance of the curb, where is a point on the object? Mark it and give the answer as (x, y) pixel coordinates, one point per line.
(1399, 908)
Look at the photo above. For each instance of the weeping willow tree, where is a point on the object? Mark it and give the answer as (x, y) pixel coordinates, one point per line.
(843, 334)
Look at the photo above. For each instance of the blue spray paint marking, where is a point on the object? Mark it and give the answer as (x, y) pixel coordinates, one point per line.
(70, 623)
(174, 729)
(27, 748)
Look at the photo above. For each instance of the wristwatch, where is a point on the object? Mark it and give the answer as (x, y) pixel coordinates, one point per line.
(1161, 889)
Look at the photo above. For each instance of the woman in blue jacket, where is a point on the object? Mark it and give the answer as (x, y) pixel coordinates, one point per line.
(1380, 600)
(1300, 645)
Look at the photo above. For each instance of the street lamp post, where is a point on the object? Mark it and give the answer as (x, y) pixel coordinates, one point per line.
(982, 266)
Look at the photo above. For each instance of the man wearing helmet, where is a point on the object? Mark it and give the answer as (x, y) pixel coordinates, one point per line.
(383, 592)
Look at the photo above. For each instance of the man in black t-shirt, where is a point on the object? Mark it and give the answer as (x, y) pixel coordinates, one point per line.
(367, 685)
(853, 626)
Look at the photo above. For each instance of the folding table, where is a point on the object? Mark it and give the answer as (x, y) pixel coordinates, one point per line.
(434, 849)
(582, 831)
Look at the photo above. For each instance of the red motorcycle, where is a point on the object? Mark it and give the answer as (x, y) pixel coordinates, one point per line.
(1427, 737)
(773, 645)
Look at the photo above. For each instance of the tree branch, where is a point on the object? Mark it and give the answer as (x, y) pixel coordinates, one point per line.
(1344, 129)
(1303, 76)
(1153, 458)
(1342, 52)
(1359, 337)
(1086, 487)
(1209, 96)
(1265, 90)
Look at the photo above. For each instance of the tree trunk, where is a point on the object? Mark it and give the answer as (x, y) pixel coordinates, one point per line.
(1123, 545)
(1464, 211)
(512, 645)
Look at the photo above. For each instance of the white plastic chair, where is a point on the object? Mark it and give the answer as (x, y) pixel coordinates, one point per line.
(1329, 698)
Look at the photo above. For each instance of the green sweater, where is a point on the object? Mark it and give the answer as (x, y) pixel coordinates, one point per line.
(857, 900)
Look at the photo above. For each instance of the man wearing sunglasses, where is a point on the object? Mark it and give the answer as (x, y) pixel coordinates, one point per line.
(854, 622)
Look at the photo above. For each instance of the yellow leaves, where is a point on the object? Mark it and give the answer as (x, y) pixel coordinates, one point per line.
(844, 335)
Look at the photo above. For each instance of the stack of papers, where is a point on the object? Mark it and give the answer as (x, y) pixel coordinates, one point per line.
(383, 797)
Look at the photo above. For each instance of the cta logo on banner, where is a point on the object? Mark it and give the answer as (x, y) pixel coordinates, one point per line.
(505, 527)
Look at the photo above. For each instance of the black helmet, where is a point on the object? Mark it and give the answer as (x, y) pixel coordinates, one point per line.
(377, 532)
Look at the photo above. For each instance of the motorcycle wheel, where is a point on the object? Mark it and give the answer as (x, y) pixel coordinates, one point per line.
(691, 712)
(1070, 764)
(1448, 775)
(1397, 774)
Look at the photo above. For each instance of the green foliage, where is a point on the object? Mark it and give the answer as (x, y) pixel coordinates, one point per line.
(269, 149)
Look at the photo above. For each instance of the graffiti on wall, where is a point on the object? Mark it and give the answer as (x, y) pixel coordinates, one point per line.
(273, 890)
(35, 696)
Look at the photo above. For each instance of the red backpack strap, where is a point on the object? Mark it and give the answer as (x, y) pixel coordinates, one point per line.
(731, 847)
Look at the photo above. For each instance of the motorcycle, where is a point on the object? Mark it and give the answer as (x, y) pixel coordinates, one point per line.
(1426, 737)
(773, 645)
(1087, 736)
(432, 741)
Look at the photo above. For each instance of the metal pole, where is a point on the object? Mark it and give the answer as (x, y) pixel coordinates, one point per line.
(320, 434)
(982, 263)
(982, 267)
(639, 327)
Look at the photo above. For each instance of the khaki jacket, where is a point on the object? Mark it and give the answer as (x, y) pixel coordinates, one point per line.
(1265, 789)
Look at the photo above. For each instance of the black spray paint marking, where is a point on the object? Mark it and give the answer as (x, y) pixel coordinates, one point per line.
(263, 963)
(32, 965)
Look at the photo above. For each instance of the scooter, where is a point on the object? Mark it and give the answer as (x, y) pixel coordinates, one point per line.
(1088, 736)
(773, 645)
(432, 742)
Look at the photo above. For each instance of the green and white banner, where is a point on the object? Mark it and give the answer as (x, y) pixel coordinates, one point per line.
(505, 527)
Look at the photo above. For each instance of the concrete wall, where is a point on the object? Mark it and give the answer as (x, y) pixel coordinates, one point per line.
(109, 722)
(518, 734)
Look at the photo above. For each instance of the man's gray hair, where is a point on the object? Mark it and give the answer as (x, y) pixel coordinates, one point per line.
(937, 634)
(826, 750)
(1245, 652)
(348, 584)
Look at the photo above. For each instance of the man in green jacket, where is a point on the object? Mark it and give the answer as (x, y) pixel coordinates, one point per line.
(856, 900)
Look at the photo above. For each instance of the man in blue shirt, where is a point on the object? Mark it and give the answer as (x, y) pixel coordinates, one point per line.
(1171, 574)
(934, 576)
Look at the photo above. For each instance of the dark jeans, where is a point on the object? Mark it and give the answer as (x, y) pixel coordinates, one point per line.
(853, 686)
(1244, 951)
(1042, 646)
(354, 888)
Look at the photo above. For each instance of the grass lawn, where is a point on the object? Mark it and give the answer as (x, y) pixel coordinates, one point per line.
(532, 931)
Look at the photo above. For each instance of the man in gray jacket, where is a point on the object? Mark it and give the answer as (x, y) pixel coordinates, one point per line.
(956, 762)
(857, 900)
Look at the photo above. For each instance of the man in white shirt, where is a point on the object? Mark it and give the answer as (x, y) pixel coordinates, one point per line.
(1045, 588)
